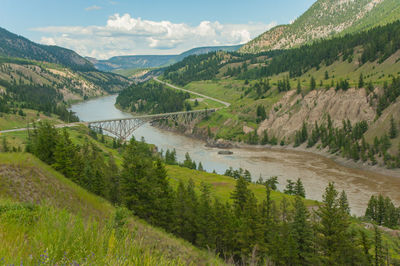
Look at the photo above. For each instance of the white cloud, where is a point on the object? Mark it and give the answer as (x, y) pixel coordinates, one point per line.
(91, 8)
(127, 35)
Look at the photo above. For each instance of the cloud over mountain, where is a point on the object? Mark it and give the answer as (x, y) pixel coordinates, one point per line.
(124, 34)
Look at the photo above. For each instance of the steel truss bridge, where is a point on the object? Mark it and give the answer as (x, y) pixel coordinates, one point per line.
(124, 127)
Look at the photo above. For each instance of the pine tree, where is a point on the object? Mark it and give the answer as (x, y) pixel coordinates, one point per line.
(326, 75)
(313, 83)
(378, 250)
(272, 182)
(301, 232)
(290, 187)
(265, 139)
(241, 194)
(344, 203)
(135, 186)
(5, 147)
(247, 176)
(299, 189)
(361, 81)
(185, 212)
(113, 181)
(298, 90)
(200, 167)
(64, 154)
(205, 228)
(334, 238)
(393, 128)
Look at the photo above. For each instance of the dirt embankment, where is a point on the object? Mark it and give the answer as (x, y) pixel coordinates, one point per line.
(288, 115)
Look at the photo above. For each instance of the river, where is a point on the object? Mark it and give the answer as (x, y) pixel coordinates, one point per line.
(314, 170)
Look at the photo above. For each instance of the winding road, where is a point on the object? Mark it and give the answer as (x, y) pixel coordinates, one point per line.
(192, 92)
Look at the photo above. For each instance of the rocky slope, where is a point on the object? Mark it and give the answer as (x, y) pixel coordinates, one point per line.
(288, 114)
(327, 18)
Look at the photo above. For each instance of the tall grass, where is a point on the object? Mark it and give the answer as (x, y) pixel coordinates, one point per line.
(32, 235)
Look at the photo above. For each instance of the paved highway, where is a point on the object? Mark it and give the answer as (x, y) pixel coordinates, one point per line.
(192, 92)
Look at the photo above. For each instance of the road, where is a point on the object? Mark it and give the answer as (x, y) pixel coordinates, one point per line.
(57, 126)
(192, 92)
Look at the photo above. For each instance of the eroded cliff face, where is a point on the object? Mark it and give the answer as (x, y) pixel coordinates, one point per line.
(288, 115)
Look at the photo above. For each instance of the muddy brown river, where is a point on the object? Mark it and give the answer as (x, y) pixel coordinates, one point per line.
(314, 170)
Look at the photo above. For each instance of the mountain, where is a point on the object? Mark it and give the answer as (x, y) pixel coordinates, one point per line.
(280, 93)
(45, 78)
(12, 45)
(153, 61)
(327, 18)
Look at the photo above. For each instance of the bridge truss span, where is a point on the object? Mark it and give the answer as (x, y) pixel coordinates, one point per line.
(123, 128)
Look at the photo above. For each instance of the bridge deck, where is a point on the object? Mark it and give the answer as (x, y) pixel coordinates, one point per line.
(149, 117)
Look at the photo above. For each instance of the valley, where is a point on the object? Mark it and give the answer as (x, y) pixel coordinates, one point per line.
(211, 136)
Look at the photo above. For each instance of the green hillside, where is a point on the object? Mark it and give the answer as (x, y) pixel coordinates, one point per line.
(107, 235)
(60, 222)
(324, 19)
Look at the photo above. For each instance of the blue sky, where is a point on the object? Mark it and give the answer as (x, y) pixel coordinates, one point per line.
(105, 28)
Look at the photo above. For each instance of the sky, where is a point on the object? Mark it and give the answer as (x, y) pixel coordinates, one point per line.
(106, 28)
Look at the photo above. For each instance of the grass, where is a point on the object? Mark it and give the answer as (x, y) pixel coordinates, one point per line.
(44, 235)
(70, 221)
(222, 186)
(131, 72)
(11, 121)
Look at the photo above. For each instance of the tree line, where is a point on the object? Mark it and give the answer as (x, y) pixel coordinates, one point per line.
(34, 96)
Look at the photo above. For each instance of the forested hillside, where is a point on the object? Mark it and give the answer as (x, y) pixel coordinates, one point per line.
(377, 44)
(242, 229)
(151, 97)
(326, 19)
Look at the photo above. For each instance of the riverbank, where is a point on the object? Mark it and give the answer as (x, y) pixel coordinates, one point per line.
(226, 144)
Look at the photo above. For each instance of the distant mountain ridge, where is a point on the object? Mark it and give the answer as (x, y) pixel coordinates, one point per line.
(153, 61)
(13, 45)
(326, 18)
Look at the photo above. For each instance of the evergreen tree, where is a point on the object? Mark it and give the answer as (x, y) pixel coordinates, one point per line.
(298, 90)
(332, 229)
(378, 250)
(247, 176)
(205, 228)
(344, 203)
(185, 212)
(302, 233)
(265, 139)
(290, 187)
(200, 167)
(326, 75)
(299, 189)
(5, 147)
(241, 194)
(361, 81)
(393, 128)
(272, 182)
(136, 189)
(42, 142)
(64, 154)
(313, 83)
